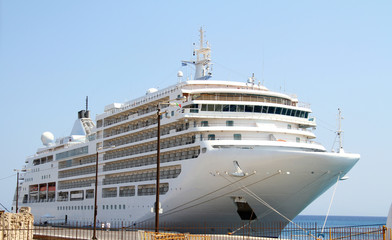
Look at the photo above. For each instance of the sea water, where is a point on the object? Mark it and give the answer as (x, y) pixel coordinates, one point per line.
(340, 221)
(308, 225)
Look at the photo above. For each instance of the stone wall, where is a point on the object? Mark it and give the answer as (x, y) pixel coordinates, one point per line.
(17, 226)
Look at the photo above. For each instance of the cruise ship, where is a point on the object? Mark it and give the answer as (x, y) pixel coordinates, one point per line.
(229, 152)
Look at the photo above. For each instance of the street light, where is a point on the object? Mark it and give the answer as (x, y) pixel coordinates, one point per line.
(159, 113)
(95, 195)
(95, 192)
(158, 169)
(17, 186)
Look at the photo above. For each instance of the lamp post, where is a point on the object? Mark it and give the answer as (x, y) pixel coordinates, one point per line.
(17, 190)
(96, 192)
(17, 187)
(95, 195)
(159, 113)
(158, 170)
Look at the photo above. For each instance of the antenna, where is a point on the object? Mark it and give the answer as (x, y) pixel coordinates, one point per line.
(203, 59)
(86, 103)
(339, 132)
(262, 70)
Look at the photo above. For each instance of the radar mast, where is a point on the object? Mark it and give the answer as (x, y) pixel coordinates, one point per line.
(340, 131)
(203, 60)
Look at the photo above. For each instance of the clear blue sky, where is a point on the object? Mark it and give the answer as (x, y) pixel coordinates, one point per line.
(330, 53)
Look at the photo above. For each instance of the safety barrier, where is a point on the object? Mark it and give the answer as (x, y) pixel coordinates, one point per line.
(146, 235)
(241, 231)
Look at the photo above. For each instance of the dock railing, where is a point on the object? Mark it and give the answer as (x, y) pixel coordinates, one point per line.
(241, 231)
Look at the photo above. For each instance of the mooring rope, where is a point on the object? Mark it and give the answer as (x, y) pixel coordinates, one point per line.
(176, 209)
(259, 199)
(330, 204)
(219, 196)
(4, 207)
(205, 195)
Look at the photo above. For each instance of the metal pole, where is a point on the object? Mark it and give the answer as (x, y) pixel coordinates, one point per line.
(158, 171)
(17, 190)
(95, 198)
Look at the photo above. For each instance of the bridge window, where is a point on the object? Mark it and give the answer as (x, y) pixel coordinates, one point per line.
(255, 109)
(248, 108)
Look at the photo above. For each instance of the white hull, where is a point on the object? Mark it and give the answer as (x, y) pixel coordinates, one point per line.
(288, 180)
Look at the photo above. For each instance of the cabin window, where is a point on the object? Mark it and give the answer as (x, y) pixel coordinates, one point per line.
(210, 107)
(127, 191)
(288, 126)
(240, 108)
(89, 193)
(204, 123)
(233, 108)
(109, 192)
(211, 136)
(229, 123)
(298, 139)
(218, 108)
(226, 108)
(237, 136)
(204, 107)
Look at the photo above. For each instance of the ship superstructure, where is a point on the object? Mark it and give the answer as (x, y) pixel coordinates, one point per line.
(229, 152)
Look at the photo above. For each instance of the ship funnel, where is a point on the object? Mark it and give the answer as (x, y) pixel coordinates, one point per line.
(83, 114)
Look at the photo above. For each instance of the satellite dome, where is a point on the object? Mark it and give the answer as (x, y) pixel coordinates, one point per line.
(151, 90)
(47, 138)
(180, 74)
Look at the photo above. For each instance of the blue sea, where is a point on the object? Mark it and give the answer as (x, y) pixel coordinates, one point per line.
(338, 226)
(340, 221)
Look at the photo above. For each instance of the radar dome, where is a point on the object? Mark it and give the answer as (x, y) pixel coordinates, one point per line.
(151, 90)
(180, 74)
(47, 138)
